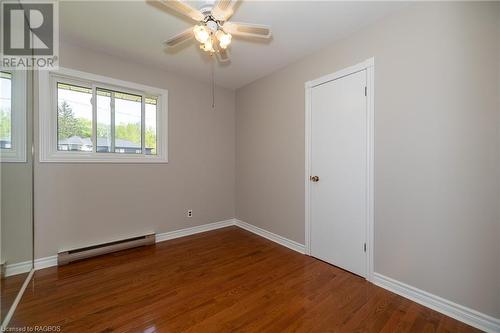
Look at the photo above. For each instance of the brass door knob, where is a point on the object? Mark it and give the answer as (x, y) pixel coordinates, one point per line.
(314, 179)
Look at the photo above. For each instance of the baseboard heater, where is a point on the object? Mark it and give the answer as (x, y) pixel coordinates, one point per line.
(66, 257)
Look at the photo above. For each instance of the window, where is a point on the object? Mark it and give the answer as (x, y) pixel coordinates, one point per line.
(13, 116)
(119, 122)
(150, 124)
(5, 111)
(74, 118)
(92, 118)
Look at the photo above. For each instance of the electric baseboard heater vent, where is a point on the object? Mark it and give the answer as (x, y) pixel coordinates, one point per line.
(66, 257)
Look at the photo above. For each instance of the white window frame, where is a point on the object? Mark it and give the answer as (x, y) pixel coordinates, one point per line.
(17, 154)
(47, 109)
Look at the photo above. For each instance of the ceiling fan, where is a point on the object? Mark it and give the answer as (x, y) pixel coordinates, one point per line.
(213, 30)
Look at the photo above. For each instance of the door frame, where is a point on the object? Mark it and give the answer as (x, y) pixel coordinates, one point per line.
(369, 66)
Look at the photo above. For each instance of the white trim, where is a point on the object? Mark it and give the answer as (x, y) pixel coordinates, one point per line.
(17, 154)
(459, 312)
(307, 181)
(48, 119)
(193, 230)
(18, 268)
(293, 245)
(369, 66)
(13, 307)
(369, 63)
(370, 221)
(45, 262)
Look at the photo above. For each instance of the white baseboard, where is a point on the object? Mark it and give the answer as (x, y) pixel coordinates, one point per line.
(18, 268)
(271, 236)
(451, 309)
(41, 263)
(194, 230)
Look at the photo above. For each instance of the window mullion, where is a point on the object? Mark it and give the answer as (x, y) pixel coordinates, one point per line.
(94, 118)
(112, 122)
(143, 124)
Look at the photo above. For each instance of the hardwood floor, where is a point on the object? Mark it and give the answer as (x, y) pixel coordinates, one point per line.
(9, 288)
(225, 280)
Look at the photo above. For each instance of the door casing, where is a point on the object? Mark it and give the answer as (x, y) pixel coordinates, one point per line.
(369, 66)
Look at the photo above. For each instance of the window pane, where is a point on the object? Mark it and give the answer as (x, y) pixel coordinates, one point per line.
(150, 125)
(103, 121)
(128, 137)
(5, 110)
(74, 119)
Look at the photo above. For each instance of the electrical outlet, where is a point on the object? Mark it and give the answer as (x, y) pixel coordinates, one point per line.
(189, 213)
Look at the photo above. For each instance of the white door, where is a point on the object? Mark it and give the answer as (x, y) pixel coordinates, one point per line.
(339, 158)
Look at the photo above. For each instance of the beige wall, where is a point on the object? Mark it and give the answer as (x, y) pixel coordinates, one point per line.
(16, 193)
(82, 204)
(436, 147)
(16, 221)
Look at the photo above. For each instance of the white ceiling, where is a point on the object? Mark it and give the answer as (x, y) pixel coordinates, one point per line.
(136, 29)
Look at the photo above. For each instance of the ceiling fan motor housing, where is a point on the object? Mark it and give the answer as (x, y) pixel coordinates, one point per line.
(212, 25)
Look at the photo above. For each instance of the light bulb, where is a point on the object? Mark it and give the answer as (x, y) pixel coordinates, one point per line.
(201, 34)
(224, 39)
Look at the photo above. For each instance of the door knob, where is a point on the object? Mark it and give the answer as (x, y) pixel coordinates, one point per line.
(314, 179)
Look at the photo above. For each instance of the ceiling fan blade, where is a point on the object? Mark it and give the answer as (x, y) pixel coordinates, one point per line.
(247, 29)
(179, 38)
(224, 9)
(184, 9)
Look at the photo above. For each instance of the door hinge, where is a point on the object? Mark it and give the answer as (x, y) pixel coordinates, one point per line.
(366, 91)
(364, 247)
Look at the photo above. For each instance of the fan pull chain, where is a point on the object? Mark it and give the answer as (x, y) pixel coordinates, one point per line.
(213, 83)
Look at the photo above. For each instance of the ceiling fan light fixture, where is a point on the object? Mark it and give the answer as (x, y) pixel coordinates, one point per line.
(224, 39)
(201, 34)
(208, 46)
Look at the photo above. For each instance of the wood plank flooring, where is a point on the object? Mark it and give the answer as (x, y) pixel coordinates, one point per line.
(227, 280)
(9, 288)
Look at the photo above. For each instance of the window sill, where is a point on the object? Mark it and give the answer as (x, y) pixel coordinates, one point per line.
(13, 156)
(83, 157)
